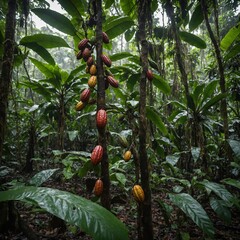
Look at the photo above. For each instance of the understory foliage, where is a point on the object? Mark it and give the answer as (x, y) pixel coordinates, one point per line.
(193, 149)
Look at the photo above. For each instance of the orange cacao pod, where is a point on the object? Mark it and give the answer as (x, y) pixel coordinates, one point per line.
(97, 154)
(92, 81)
(98, 187)
(86, 54)
(106, 60)
(138, 193)
(127, 155)
(93, 70)
(149, 75)
(105, 37)
(101, 118)
(83, 43)
(112, 81)
(85, 95)
(79, 106)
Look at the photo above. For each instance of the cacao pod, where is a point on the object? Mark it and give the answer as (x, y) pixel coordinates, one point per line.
(138, 193)
(97, 155)
(90, 61)
(112, 81)
(92, 81)
(79, 106)
(105, 38)
(98, 187)
(85, 95)
(93, 70)
(106, 60)
(83, 43)
(79, 55)
(101, 118)
(127, 155)
(86, 54)
(123, 141)
(149, 75)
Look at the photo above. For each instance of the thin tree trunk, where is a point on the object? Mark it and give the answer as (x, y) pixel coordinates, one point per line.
(102, 137)
(61, 123)
(7, 66)
(143, 13)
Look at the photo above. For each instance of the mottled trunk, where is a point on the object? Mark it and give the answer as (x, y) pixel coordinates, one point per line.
(102, 137)
(143, 14)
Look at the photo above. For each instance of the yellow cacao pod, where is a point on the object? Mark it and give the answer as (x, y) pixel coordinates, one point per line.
(93, 70)
(138, 193)
(127, 155)
(79, 106)
(92, 81)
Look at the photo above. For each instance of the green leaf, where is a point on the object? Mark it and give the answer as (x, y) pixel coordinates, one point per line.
(194, 210)
(155, 118)
(172, 159)
(75, 210)
(45, 40)
(235, 146)
(129, 34)
(84, 170)
(232, 52)
(41, 177)
(161, 84)
(108, 3)
(220, 208)
(209, 90)
(195, 151)
(197, 18)
(72, 135)
(117, 26)
(121, 178)
(129, 8)
(232, 182)
(192, 39)
(230, 37)
(119, 56)
(56, 20)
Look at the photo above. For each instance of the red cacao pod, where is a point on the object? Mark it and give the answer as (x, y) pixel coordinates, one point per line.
(79, 55)
(105, 38)
(149, 75)
(79, 106)
(127, 155)
(101, 118)
(138, 193)
(90, 61)
(92, 81)
(85, 95)
(98, 187)
(97, 155)
(86, 54)
(112, 81)
(106, 60)
(83, 43)
(93, 70)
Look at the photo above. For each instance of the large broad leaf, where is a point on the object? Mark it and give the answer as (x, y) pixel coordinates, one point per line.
(119, 56)
(129, 8)
(155, 118)
(56, 20)
(45, 40)
(232, 182)
(90, 217)
(197, 18)
(161, 84)
(192, 39)
(116, 26)
(230, 37)
(235, 145)
(41, 177)
(194, 210)
(41, 51)
(43, 68)
(209, 89)
(233, 52)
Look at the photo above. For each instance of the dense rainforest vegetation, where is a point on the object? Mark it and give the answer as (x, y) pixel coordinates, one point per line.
(120, 119)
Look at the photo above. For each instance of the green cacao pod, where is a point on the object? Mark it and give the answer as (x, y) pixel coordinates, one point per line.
(123, 141)
(138, 193)
(101, 118)
(97, 154)
(98, 187)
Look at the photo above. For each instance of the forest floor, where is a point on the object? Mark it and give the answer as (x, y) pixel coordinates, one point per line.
(38, 225)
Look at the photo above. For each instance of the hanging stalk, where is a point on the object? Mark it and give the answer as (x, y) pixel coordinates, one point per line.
(143, 12)
(102, 138)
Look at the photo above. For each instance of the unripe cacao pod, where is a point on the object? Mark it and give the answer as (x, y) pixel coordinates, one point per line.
(79, 55)
(85, 95)
(101, 118)
(97, 155)
(105, 38)
(92, 81)
(112, 81)
(93, 70)
(82, 44)
(106, 60)
(86, 54)
(127, 155)
(123, 141)
(138, 193)
(149, 75)
(98, 187)
(79, 106)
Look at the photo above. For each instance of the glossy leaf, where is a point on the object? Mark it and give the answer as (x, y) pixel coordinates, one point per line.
(235, 146)
(232, 182)
(41, 177)
(119, 56)
(195, 151)
(194, 210)
(56, 20)
(129, 8)
(161, 84)
(108, 3)
(155, 118)
(76, 8)
(209, 89)
(90, 217)
(43, 68)
(232, 52)
(193, 40)
(172, 159)
(197, 18)
(129, 34)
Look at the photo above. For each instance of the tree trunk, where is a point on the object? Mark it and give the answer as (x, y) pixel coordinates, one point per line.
(143, 13)
(102, 137)
(61, 123)
(7, 66)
